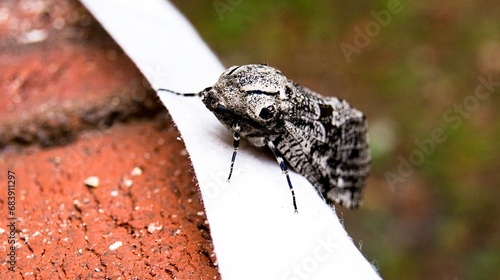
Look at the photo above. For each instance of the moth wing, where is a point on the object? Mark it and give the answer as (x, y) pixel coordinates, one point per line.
(328, 144)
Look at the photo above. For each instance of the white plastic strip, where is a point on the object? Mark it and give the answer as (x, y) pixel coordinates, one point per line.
(255, 232)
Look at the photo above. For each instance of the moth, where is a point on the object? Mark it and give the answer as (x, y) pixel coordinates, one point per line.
(322, 138)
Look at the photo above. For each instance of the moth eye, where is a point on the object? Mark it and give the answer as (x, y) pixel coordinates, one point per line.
(220, 109)
(267, 112)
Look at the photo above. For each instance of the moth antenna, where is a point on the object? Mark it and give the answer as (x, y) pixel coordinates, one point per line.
(189, 94)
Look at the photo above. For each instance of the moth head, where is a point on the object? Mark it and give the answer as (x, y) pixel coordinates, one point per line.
(250, 93)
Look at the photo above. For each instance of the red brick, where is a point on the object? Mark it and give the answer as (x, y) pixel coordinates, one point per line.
(66, 228)
(74, 106)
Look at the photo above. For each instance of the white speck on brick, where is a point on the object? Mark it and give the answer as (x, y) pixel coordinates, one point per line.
(128, 183)
(34, 36)
(152, 227)
(92, 181)
(136, 171)
(115, 245)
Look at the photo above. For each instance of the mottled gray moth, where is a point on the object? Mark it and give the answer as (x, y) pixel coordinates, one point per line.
(322, 138)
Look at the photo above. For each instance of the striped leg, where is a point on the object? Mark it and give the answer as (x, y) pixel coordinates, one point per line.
(236, 144)
(283, 167)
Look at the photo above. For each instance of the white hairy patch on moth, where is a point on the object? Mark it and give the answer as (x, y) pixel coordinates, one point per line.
(260, 87)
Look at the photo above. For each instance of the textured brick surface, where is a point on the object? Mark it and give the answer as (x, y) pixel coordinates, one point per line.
(73, 79)
(74, 106)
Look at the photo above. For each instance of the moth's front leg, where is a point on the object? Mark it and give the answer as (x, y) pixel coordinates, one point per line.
(236, 143)
(282, 164)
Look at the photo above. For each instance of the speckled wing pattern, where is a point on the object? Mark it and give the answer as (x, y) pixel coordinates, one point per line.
(326, 141)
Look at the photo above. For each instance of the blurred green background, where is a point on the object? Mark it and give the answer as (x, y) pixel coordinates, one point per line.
(427, 75)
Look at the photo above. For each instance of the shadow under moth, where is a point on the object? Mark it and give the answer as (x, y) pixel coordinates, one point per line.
(322, 138)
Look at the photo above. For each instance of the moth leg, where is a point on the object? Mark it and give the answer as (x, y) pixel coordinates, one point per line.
(284, 169)
(236, 144)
